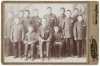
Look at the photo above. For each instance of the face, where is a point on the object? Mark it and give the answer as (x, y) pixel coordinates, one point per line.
(20, 14)
(56, 29)
(75, 12)
(36, 13)
(16, 20)
(30, 29)
(26, 13)
(79, 18)
(43, 22)
(68, 14)
(62, 11)
(49, 10)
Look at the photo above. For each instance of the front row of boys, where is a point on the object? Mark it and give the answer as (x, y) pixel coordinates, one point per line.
(44, 38)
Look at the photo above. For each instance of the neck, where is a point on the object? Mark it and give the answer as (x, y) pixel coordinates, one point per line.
(31, 32)
(26, 17)
(50, 14)
(63, 15)
(56, 32)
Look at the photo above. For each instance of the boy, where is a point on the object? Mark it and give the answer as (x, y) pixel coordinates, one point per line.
(61, 18)
(44, 38)
(79, 26)
(17, 36)
(50, 18)
(31, 38)
(58, 40)
(68, 32)
(36, 20)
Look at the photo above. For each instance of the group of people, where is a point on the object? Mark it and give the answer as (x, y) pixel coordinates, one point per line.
(46, 37)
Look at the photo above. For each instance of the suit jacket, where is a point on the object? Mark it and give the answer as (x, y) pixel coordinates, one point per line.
(17, 32)
(26, 23)
(51, 20)
(45, 33)
(36, 22)
(78, 30)
(31, 38)
(61, 21)
(57, 37)
(68, 27)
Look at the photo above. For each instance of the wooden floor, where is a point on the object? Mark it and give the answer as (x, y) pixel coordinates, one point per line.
(74, 59)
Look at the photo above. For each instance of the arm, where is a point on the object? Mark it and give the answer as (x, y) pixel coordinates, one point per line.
(39, 37)
(23, 33)
(25, 39)
(11, 35)
(49, 38)
(56, 21)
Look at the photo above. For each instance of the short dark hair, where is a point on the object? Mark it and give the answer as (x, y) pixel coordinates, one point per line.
(35, 9)
(49, 8)
(69, 11)
(76, 9)
(28, 11)
(63, 8)
(21, 11)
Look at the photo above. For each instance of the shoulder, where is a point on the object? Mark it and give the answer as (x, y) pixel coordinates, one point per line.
(21, 26)
(45, 16)
(27, 34)
(59, 17)
(53, 15)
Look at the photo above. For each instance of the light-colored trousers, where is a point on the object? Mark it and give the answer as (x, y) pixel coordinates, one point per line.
(30, 51)
(41, 44)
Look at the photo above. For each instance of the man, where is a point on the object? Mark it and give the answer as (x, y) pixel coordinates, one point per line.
(50, 18)
(68, 33)
(17, 36)
(44, 39)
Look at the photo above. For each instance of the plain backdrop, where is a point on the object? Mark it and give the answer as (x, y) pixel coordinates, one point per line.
(11, 9)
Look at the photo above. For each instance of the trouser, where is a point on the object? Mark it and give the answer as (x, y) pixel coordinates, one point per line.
(41, 44)
(29, 50)
(84, 47)
(69, 46)
(74, 48)
(79, 48)
(17, 51)
(57, 50)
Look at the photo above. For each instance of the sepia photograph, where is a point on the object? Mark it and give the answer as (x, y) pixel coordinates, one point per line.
(45, 32)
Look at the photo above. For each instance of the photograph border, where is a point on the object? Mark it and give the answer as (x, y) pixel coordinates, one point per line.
(38, 63)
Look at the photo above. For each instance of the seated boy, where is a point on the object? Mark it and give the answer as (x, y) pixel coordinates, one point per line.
(44, 38)
(31, 38)
(58, 40)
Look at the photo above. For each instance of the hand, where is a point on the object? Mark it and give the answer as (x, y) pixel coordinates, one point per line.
(48, 40)
(25, 42)
(43, 40)
(31, 42)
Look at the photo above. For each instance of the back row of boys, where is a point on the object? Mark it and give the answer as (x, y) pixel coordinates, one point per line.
(31, 30)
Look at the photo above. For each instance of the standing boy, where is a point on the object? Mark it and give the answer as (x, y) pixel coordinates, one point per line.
(68, 32)
(17, 36)
(79, 26)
